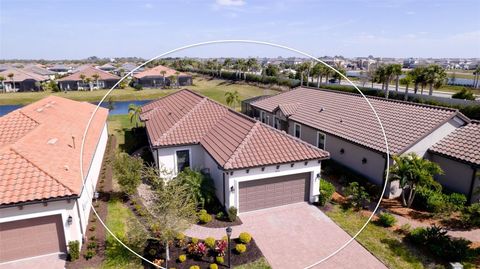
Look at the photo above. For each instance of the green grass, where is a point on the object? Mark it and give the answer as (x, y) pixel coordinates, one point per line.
(212, 88)
(258, 264)
(385, 244)
(116, 256)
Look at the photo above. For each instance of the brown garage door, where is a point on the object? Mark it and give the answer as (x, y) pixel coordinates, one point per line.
(31, 237)
(274, 191)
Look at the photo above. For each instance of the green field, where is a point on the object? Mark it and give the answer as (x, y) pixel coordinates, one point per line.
(212, 88)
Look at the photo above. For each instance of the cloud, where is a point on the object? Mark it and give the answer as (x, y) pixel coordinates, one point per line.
(230, 3)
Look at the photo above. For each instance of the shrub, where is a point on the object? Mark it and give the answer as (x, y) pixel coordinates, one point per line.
(128, 171)
(220, 247)
(232, 214)
(152, 252)
(194, 267)
(245, 238)
(220, 215)
(240, 248)
(326, 191)
(210, 242)
(387, 219)
(180, 236)
(357, 195)
(465, 94)
(435, 201)
(182, 258)
(92, 228)
(202, 211)
(456, 201)
(92, 245)
(194, 240)
(204, 218)
(213, 266)
(93, 237)
(89, 254)
(471, 215)
(219, 260)
(73, 250)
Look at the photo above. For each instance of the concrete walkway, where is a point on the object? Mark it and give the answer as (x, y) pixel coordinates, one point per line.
(51, 261)
(296, 236)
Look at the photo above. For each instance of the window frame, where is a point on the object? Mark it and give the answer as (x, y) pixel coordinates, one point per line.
(189, 158)
(324, 140)
(299, 130)
(262, 116)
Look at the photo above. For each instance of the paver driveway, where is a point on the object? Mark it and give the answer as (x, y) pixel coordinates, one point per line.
(297, 235)
(50, 261)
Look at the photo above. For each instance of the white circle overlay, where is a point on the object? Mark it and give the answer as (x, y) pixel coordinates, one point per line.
(242, 41)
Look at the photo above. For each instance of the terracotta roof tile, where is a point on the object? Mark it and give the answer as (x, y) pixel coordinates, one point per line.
(88, 72)
(462, 144)
(47, 148)
(233, 140)
(156, 72)
(20, 75)
(350, 117)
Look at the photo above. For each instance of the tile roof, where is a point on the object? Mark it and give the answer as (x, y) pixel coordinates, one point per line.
(462, 144)
(288, 109)
(233, 140)
(40, 149)
(20, 75)
(155, 72)
(349, 116)
(88, 72)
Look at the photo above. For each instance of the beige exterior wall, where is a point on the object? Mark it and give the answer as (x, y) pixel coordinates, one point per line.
(458, 175)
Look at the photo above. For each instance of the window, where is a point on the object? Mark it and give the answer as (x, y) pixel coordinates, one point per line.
(262, 116)
(320, 140)
(267, 120)
(297, 130)
(183, 160)
(276, 123)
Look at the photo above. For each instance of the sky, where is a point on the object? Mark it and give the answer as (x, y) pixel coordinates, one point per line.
(54, 29)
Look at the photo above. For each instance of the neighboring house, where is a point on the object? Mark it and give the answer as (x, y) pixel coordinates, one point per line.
(21, 81)
(60, 69)
(127, 68)
(458, 155)
(43, 202)
(106, 67)
(88, 78)
(48, 74)
(344, 125)
(159, 76)
(252, 165)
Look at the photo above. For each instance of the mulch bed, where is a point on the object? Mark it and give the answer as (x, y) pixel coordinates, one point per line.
(216, 223)
(104, 187)
(252, 254)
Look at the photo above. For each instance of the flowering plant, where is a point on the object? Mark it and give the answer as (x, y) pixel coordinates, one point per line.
(221, 247)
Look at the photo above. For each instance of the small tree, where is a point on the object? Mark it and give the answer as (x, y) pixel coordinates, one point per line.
(232, 98)
(465, 94)
(200, 186)
(413, 171)
(357, 195)
(134, 112)
(128, 172)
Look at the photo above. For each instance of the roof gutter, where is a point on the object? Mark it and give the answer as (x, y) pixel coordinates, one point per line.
(40, 201)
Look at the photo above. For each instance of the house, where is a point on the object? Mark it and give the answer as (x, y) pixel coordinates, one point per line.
(160, 76)
(106, 67)
(253, 165)
(88, 78)
(344, 125)
(458, 155)
(127, 68)
(39, 70)
(60, 69)
(43, 202)
(20, 80)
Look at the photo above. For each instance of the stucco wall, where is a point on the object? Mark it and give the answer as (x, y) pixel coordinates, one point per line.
(457, 177)
(421, 147)
(167, 158)
(271, 171)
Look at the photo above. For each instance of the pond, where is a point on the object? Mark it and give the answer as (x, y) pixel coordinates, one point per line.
(119, 107)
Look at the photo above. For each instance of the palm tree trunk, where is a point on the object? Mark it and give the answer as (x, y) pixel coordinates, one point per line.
(415, 88)
(318, 81)
(430, 91)
(406, 92)
(421, 91)
(301, 78)
(396, 83)
(387, 92)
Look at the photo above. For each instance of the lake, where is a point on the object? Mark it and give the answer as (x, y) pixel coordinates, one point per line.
(119, 107)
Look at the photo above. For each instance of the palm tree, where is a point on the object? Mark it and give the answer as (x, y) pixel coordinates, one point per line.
(388, 77)
(342, 71)
(11, 76)
(232, 98)
(177, 79)
(82, 77)
(162, 73)
(89, 81)
(317, 70)
(2, 80)
(96, 77)
(134, 112)
(301, 68)
(413, 171)
(396, 71)
(477, 76)
(227, 63)
(435, 77)
(407, 80)
(418, 77)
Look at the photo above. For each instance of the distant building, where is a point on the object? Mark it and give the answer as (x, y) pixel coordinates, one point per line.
(60, 69)
(48, 74)
(160, 76)
(19, 80)
(86, 79)
(106, 67)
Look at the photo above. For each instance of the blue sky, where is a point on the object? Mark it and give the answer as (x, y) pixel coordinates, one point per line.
(53, 29)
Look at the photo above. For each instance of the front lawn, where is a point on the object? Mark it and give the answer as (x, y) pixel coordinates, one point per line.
(258, 264)
(385, 244)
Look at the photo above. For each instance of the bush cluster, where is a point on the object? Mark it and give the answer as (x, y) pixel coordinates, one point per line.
(386, 219)
(326, 191)
(471, 215)
(436, 240)
(232, 214)
(357, 196)
(436, 201)
(210, 242)
(182, 258)
(213, 266)
(219, 260)
(204, 217)
(240, 248)
(245, 238)
(73, 250)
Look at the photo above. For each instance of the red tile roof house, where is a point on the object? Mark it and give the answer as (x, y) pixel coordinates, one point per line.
(74, 81)
(43, 203)
(458, 155)
(344, 125)
(159, 76)
(253, 165)
(21, 81)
